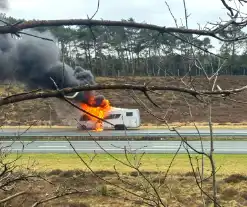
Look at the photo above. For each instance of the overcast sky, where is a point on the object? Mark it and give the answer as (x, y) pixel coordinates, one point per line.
(150, 11)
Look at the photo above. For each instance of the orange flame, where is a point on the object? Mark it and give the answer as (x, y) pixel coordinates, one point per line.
(100, 111)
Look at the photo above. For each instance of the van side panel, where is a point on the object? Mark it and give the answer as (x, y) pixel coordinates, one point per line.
(131, 121)
(128, 117)
(138, 117)
(113, 119)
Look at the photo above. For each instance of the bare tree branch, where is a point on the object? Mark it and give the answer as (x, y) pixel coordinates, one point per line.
(145, 200)
(12, 197)
(59, 196)
(58, 93)
(228, 7)
(17, 27)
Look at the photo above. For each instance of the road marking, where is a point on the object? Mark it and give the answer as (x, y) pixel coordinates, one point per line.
(91, 149)
(72, 149)
(166, 146)
(53, 146)
(105, 149)
(166, 151)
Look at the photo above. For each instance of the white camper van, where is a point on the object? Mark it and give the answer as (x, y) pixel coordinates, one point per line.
(120, 118)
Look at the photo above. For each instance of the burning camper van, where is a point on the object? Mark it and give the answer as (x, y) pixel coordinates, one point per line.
(115, 118)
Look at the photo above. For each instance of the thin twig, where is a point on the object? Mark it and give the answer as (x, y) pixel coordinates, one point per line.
(12, 197)
(145, 200)
(59, 196)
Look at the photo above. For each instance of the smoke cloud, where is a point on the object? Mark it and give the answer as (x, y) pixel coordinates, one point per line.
(33, 61)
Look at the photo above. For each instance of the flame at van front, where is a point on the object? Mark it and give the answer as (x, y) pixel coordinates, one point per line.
(99, 111)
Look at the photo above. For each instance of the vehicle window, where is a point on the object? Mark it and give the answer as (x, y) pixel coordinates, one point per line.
(129, 113)
(113, 116)
(109, 116)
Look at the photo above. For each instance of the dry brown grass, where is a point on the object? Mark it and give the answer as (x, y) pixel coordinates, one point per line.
(34, 112)
(180, 190)
(225, 112)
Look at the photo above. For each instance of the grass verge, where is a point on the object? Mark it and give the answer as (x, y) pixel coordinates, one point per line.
(229, 164)
(196, 138)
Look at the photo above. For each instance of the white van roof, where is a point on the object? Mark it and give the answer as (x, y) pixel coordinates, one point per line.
(115, 109)
(121, 110)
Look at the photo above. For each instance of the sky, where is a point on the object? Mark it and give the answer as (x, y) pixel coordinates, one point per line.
(149, 11)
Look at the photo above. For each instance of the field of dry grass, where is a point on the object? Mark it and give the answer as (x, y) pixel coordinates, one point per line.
(175, 109)
(177, 189)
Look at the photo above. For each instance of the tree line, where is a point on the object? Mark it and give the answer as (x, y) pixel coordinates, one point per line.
(119, 51)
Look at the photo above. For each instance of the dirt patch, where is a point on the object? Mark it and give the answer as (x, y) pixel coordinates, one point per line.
(173, 104)
(229, 193)
(235, 178)
(244, 195)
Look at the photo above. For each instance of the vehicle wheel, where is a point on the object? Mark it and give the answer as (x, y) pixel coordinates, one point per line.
(120, 127)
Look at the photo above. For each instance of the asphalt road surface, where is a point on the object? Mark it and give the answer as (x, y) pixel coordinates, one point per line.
(221, 147)
(113, 133)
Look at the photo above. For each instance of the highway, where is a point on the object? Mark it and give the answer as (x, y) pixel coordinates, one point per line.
(166, 147)
(50, 132)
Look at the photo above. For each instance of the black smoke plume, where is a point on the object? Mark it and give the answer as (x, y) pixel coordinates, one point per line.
(34, 61)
